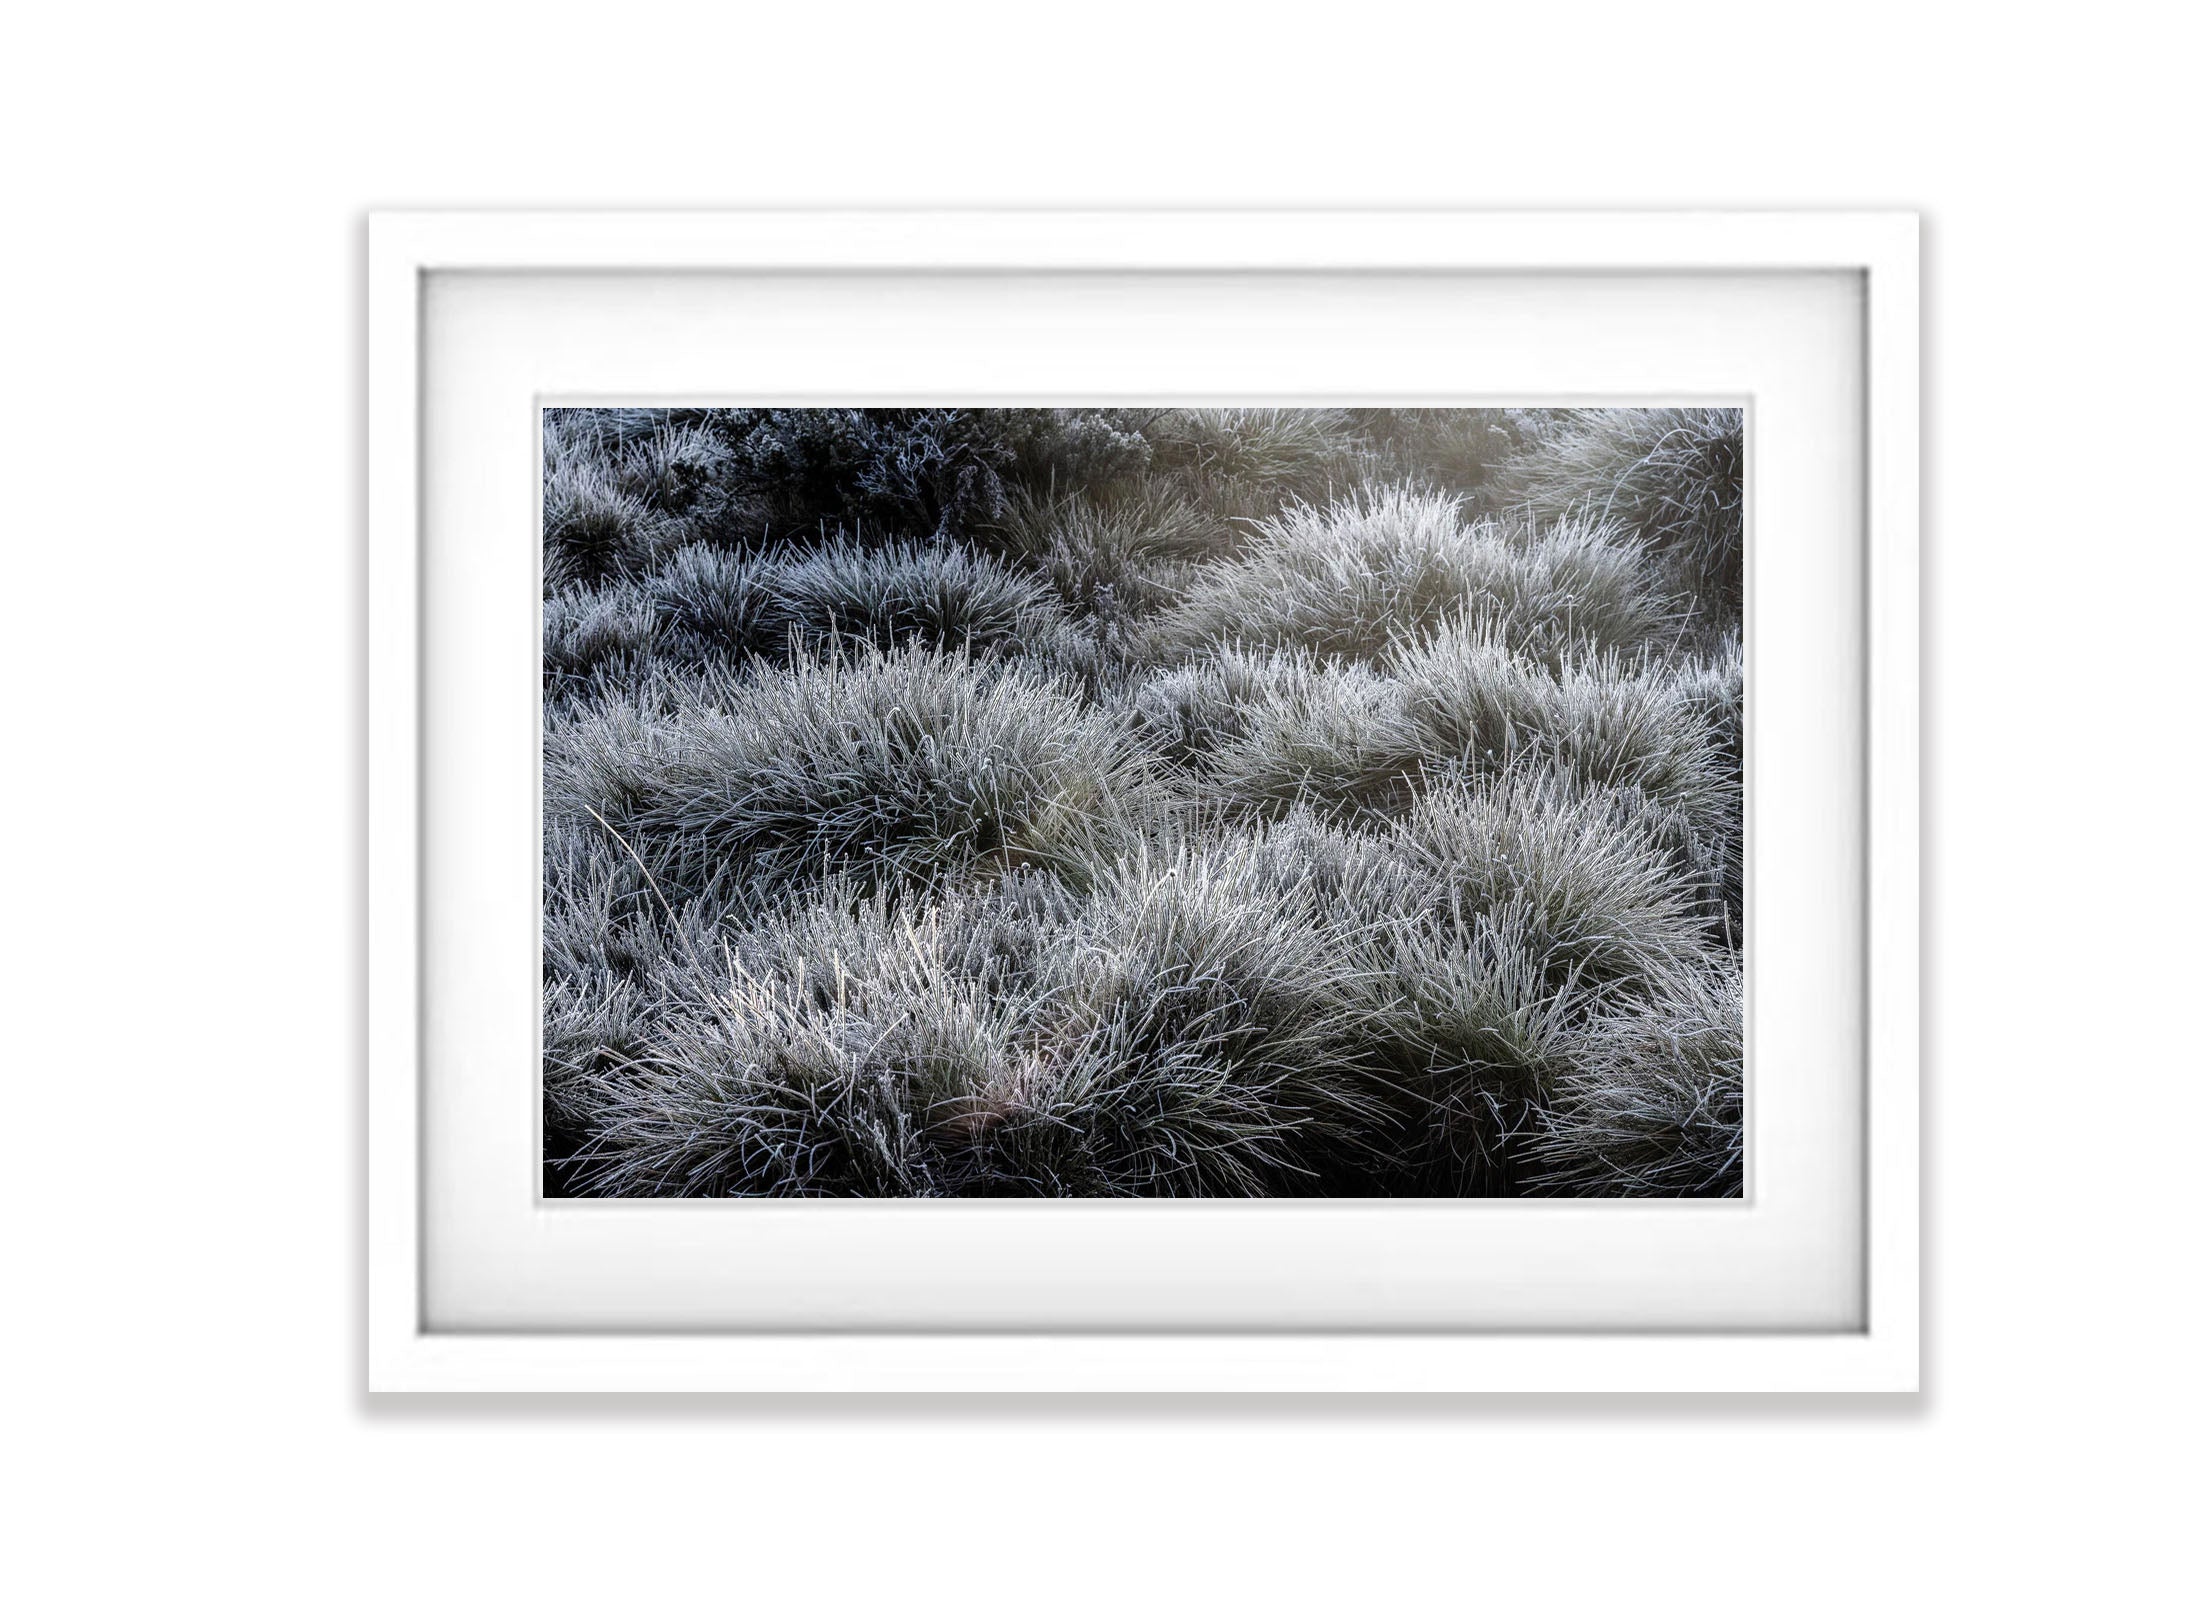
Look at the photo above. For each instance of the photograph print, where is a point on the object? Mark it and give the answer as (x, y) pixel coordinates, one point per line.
(1142, 802)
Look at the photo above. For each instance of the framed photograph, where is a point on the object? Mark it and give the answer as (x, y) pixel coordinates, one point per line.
(1143, 801)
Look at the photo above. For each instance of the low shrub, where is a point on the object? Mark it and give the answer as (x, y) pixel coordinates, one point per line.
(817, 470)
(673, 467)
(1057, 450)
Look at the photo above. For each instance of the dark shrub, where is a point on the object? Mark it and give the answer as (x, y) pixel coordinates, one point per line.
(921, 472)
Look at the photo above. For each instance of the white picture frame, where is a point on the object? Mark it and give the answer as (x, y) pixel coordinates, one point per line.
(406, 1351)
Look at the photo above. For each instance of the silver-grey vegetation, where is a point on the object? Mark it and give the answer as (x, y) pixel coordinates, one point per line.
(1142, 802)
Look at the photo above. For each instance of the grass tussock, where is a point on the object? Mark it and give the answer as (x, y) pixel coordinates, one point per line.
(1652, 1102)
(1671, 476)
(1117, 554)
(1249, 461)
(1131, 802)
(935, 593)
(903, 767)
(1359, 578)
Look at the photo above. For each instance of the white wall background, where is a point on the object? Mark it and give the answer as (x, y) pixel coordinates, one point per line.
(182, 444)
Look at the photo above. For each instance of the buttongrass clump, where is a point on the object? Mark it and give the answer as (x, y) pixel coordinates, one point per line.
(1338, 738)
(1450, 447)
(1178, 1033)
(1597, 718)
(725, 606)
(1198, 1039)
(1492, 923)
(613, 486)
(717, 605)
(1250, 461)
(809, 1082)
(593, 530)
(1651, 1104)
(1672, 476)
(1267, 733)
(896, 592)
(1710, 681)
(1190, 711)
(908, 766)
(1590, 891)
(595, 642)
(1360, 578)
(1115, 555)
